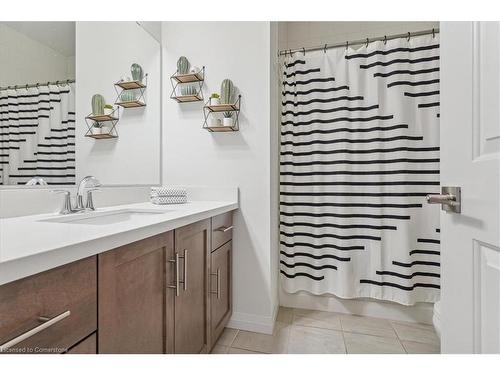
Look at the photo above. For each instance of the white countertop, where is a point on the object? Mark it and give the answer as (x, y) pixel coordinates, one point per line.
(29, 245)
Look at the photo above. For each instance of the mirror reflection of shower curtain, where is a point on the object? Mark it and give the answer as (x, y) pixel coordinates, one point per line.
(37, 134)
(359, 153)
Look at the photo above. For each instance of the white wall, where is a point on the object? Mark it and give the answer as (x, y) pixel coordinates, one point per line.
(105, 51)
(239, 51)
(304, 34)
(24, 60)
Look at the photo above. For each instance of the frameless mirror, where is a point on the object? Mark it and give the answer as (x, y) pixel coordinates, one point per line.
(56, 79)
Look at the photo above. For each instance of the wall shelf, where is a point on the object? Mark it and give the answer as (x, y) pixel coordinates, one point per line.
(123, 86)
(190, 77)
(131, 104)
(131, 85)
(109, 122)
(209, 111)
(187, 88)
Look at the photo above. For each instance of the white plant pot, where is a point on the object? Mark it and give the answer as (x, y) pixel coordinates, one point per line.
(108, 111)
(214, 122)
(214, 101)
(227, 121)
(96, 130)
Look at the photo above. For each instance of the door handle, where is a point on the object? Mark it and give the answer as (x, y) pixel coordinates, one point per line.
(225, 229)
(175, 261)
(449, 199)
(217, 291)
(47, 322)
(185, 257)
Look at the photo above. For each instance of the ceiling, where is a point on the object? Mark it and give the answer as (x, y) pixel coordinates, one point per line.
(60, 36)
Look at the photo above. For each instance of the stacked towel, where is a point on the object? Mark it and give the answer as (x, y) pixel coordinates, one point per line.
(168, 195)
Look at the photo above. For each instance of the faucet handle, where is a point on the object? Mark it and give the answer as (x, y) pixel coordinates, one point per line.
(66, 207)
(89, 205)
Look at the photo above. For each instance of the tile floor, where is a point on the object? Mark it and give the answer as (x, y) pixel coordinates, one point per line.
(316, 332)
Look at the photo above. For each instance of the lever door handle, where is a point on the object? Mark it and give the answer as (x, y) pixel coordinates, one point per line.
(449, 199)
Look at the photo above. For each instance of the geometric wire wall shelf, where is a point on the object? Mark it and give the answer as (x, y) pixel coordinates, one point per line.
(107, 128)
(213, 112)
(132, 88)
(187, 88)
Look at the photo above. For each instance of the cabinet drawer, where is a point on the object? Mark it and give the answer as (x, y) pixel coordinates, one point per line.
(221, 229)
(51, 311)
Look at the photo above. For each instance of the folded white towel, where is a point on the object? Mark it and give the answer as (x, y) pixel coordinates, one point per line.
(168, 191)
(169, 200)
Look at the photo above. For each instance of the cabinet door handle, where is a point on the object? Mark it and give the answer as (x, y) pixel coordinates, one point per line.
(46, 324)
(225, 229)
(185, 269)
(177, 280)
(217, 274)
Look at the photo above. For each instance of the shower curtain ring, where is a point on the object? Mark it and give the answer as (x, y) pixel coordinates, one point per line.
(409, 35)
(346, 45)
(433, 33)
(324, 49)
(367, 42)
(26, 86)
(385, 39)
(304, 50)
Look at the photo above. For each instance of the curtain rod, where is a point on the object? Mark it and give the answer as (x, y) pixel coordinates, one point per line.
(37, 84)
(358, 42)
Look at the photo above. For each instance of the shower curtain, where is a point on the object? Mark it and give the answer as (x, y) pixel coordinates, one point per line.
(37, 134)
(359, 153)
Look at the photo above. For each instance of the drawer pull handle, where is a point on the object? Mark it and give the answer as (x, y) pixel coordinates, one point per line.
(225, 229)
(177, 280)
(217, 274)
(46, 324)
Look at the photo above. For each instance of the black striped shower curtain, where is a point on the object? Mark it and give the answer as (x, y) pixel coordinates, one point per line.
(37, 135)
(359, 153)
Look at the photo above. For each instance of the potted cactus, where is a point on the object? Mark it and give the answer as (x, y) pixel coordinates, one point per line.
(183, 68)
(227, 97)
(214, 99)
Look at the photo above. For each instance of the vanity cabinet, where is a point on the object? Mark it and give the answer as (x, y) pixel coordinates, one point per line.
(169, 293)
(51, 311)
(187, 298)
(131, 296)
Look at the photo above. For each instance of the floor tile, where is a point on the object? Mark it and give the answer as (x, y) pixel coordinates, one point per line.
(259, 342)
(423, 333)
(241, 351)
(366, 325)
(419, 348)
(357, 343)
(318, 319)
(227, 337)
(219, 349)
(285, 315)
(311, 340)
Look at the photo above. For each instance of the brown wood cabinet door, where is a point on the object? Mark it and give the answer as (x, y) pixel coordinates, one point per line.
(187, 321)
(131, 294)
(220, 292)
(87, 346)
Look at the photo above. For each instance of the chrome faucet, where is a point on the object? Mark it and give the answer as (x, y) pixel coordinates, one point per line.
(89, 183)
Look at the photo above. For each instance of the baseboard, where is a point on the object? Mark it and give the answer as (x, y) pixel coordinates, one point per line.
(419, 313)
(253, 323)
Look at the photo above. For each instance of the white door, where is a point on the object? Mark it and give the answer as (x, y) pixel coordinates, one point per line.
(470, 155)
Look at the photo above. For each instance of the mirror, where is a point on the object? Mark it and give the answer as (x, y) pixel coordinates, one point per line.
(49, 74)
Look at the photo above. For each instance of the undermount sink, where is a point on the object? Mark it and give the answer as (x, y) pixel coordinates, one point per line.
(106, 217)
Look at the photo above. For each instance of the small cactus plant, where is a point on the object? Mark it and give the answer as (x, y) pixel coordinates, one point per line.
(98, 103)
(227, 91)
(183, 65)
